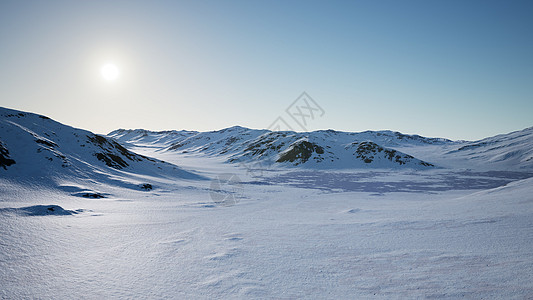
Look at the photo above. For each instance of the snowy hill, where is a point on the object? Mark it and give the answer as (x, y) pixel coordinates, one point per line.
(512, 149)
(319, 149)
(38, 149)
(512, 152)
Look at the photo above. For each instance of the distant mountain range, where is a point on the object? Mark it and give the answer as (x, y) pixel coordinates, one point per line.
(320, 149)
(34, 146)
(330, 149)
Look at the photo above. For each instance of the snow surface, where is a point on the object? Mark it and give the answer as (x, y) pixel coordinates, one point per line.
(462, 230)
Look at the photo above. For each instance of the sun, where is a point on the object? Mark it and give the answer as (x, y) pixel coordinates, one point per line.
(109, 72)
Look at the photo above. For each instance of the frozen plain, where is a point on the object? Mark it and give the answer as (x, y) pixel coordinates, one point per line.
(278, 241)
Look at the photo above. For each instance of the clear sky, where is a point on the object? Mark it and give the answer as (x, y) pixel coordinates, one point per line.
(456, 69)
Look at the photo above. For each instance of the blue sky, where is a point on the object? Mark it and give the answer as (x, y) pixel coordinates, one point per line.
(456, 69)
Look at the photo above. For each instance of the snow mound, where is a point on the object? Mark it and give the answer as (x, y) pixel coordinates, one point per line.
(41, 210)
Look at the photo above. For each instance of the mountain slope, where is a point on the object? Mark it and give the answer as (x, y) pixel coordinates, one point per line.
(36, 148)
(515, 148)
(512, 152)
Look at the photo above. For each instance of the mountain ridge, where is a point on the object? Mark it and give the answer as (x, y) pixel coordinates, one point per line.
(61, 146)
(243, 145)
(322, 148)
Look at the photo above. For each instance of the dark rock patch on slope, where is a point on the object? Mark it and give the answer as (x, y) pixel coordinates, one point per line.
(5, 160)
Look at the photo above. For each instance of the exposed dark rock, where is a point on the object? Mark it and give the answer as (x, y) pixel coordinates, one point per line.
(301, 152)
(46, 142)
(146, 187)
(108, 157)
(19, 115)
(367, 151)
(92, 195)
(111, 160)
(468, 147)
(41, 210)
(5, 160)
(266, 143)
(175, 146)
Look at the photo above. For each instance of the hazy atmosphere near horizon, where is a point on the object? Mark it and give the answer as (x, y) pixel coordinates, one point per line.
(454, 69)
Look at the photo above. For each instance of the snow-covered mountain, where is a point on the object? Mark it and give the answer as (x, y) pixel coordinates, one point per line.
(514, 149)
(318, 149)
(512, 152)
(35, 148)
(330, 149)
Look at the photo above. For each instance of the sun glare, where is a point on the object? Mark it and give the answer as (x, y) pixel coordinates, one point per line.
(109, 72)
